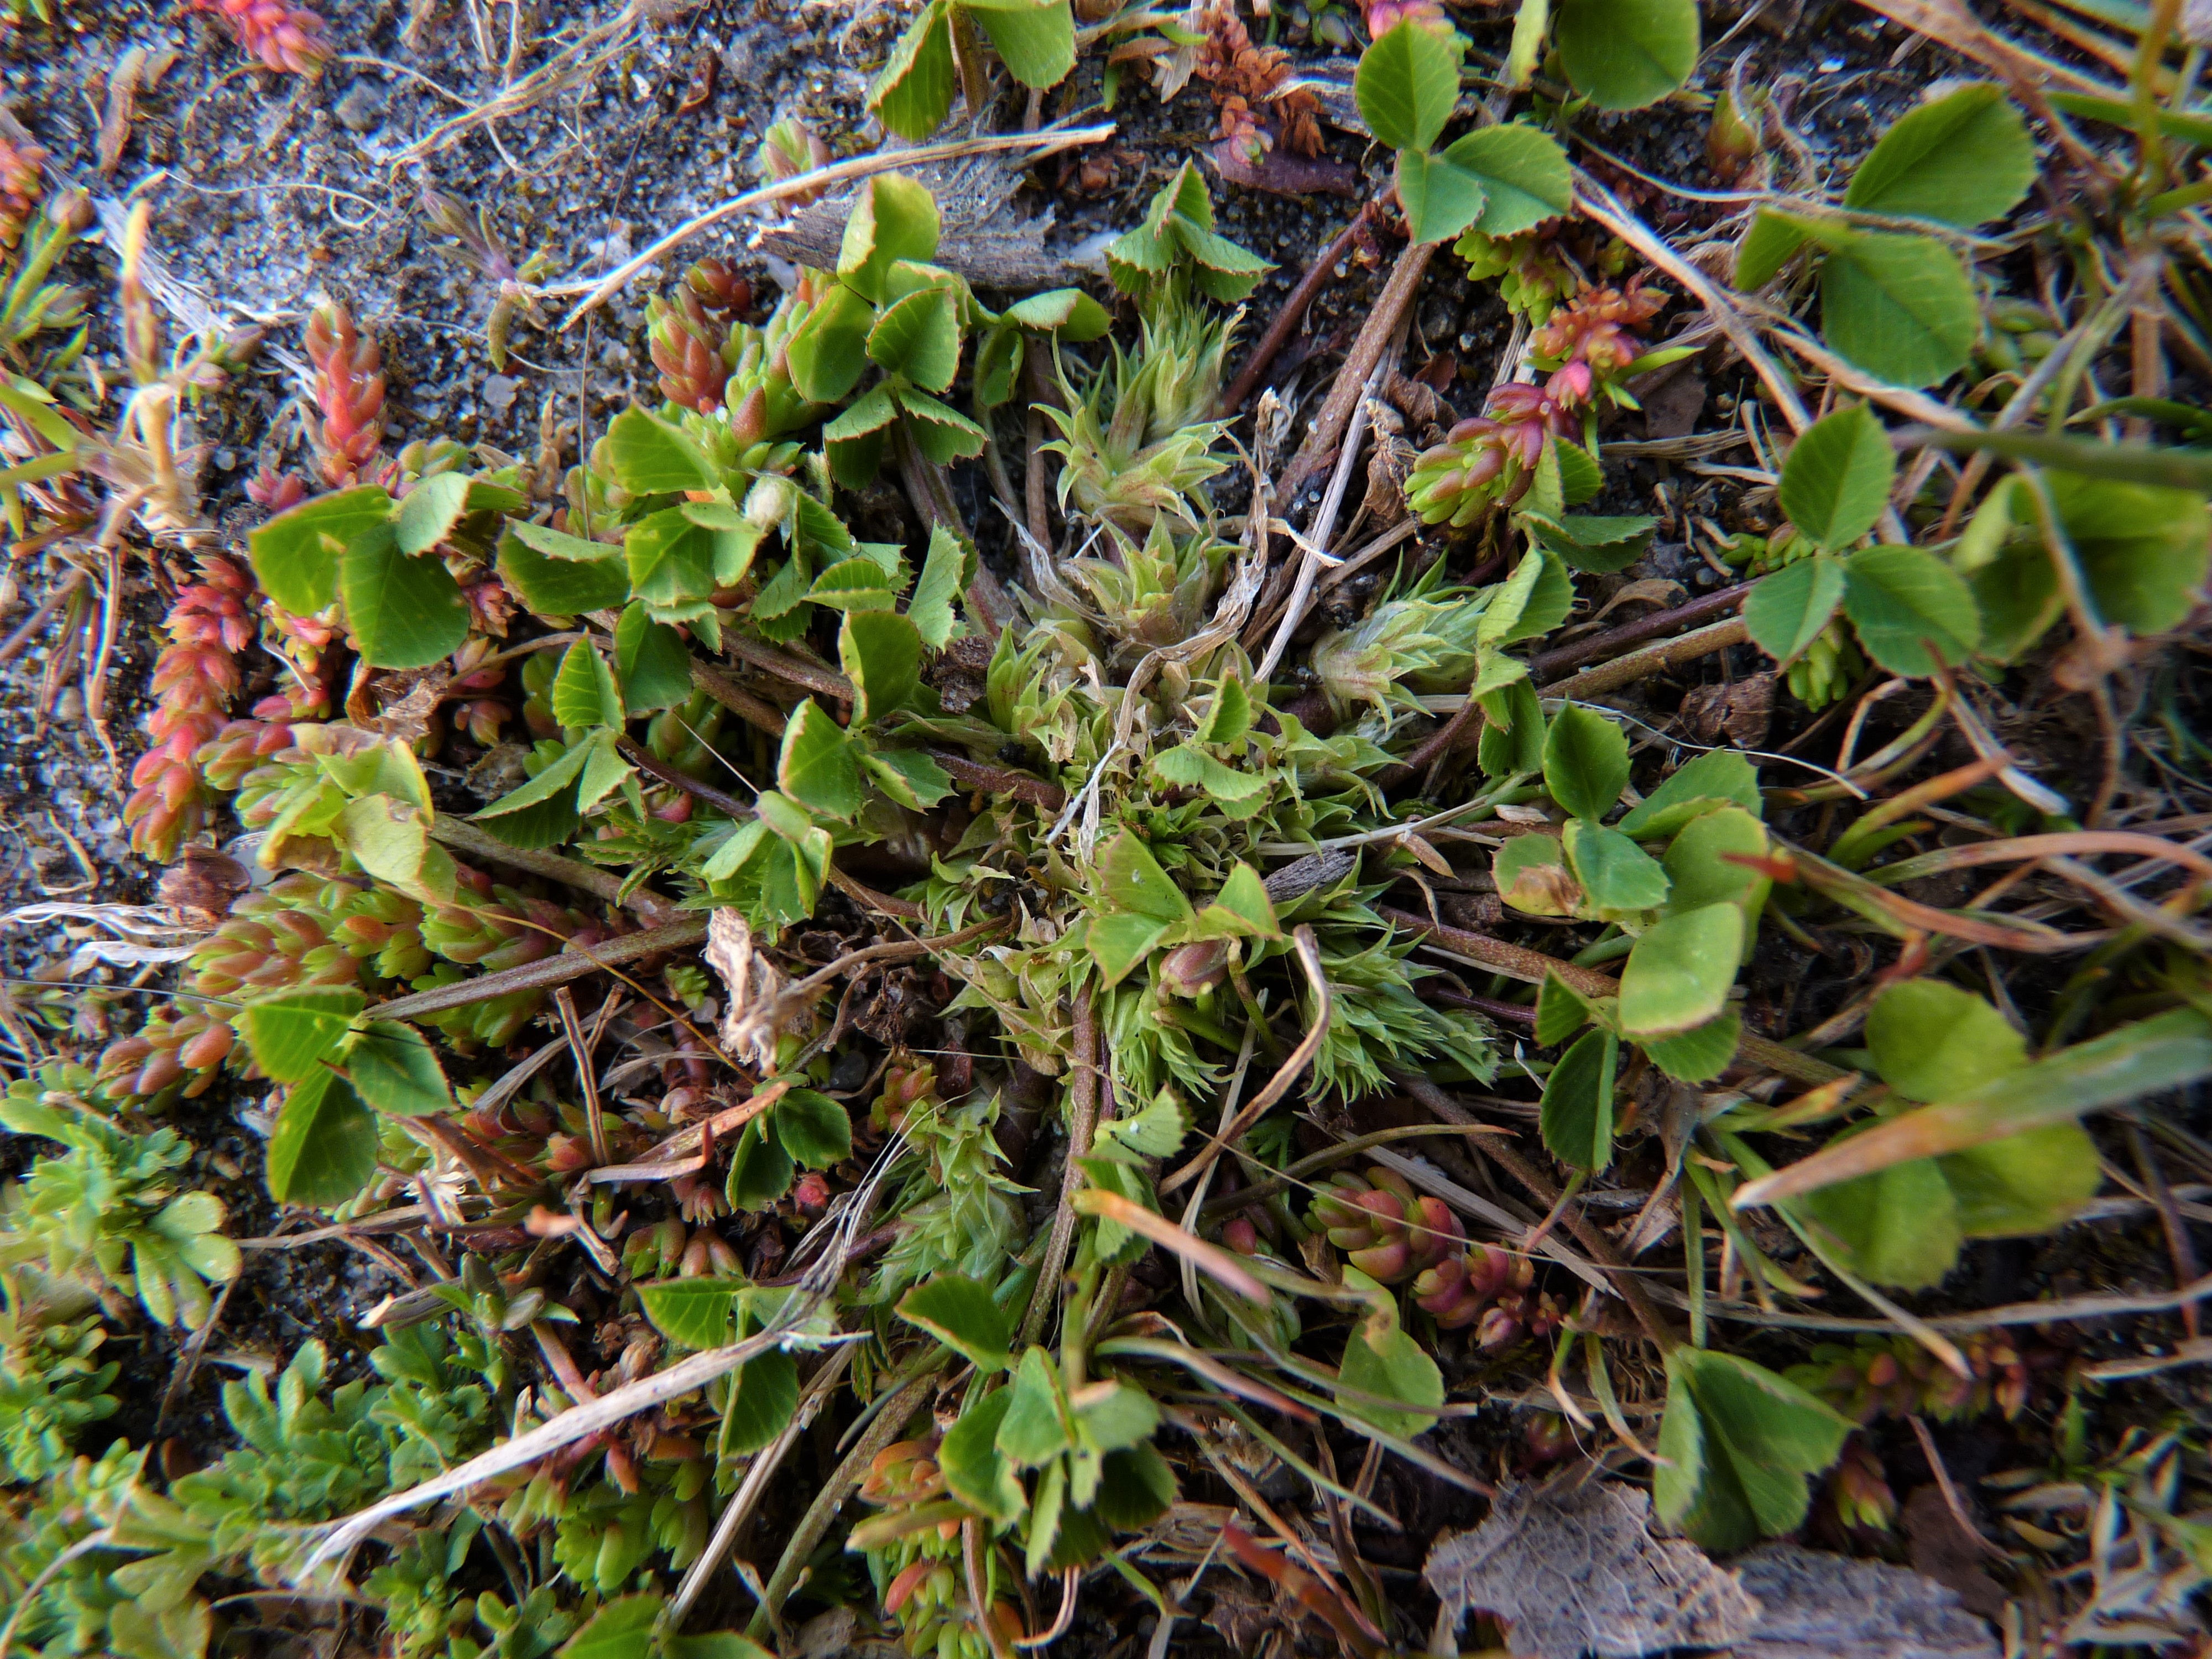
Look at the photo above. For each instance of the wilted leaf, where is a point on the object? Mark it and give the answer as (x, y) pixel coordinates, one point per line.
(1814, 1606)
(1574, 1568)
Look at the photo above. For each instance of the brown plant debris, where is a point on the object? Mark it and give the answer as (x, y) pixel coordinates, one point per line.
(1576, 1568)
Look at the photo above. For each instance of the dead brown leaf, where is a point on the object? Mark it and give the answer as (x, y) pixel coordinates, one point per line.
(1575, 1569)
(1821, 1607)
(1738, 711)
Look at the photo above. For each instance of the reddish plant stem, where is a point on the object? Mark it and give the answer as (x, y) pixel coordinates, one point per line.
(1000, 780)
(1293, 312)
(742, 703)
(1438, 743)
(1550, 665)
(1319, 450)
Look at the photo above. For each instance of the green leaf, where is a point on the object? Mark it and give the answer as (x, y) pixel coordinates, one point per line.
(959, 1312)
(1904, 601)
(1381, 1358)
(913, 93)
(827, 352)
(289, 1034)
(1585, 761)
(1899, 1227)
(559, 775)
(766, 1393)
(1068, 311)
(1615, 873)
(1153, 1132)
(1786, 611)
(619, 1630)
(1115, 1418)
(295, 553)
(1515, 744)
(893, 218)
(390, 838)
(1135, 1488)
(1715, 778)
(1701, 1054)
(1440, 200)
(939, 431)
(2017, 596)
(1407, 84)
(1836, 479)
(1524, 175)
(817, 766)
(654, 457)
(559, 544)
(944, 578)
(919, 337)
(858, 583)
(694, 1312)
(1900, 307)
(1576, 1118)
(1626, 54)
(671, 558)
(404, 612)
(2144, 550)
(1961, 159)
(557, 584)
(395, 1071)
(1033, 39)
(649, 657)
(1561, 1010)
(1592, 542)
(882, 656)
(323, 1150)
(1038, 1426)
(908, 776)
(1735, 1447)
(1771, 242)
(813, 1129)
(1229, 716)
(2126, 463)
(1131, 879)
(760, 1171)
(2145, 1057)
(2028, 1183)
(1186, 766)
(968, 1458)
(1242, 908)
(1679, 974)
(1934, 1042)
(1121, 941)
(584, 690)
(429, 511)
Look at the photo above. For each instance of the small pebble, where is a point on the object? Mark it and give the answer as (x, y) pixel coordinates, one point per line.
(69, 707)
(499, 391)
(1831, 65)
(361, 108)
